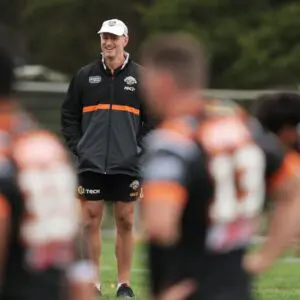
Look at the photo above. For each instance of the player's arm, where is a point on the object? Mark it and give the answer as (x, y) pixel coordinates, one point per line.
(82, 273)
(146, 122)
(284, 222)
(165, 196)
(71, 113)
(180, 291)
(4, 231)
(8, 192)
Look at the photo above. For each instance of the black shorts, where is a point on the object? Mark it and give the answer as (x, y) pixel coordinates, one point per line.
(219, 277)
(94, 186)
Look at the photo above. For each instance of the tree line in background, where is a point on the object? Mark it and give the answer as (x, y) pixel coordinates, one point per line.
(249, 43)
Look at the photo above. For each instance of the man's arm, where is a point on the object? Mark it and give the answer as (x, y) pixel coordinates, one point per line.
(82, 273)
(71, 113)
(4, 232)
(8, 194)
(165, 189)
(180, 291)
(146, 125)
(162, 208)
(146, 121)
(284, 222)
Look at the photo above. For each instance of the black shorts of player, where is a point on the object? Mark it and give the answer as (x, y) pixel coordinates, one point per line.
(94, 186)
(218, 277)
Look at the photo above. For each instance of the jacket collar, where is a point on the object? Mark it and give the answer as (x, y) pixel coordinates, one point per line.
(126, 61)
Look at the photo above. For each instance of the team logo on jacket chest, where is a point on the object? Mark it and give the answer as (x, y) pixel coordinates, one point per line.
(94, 79)
(130, 81)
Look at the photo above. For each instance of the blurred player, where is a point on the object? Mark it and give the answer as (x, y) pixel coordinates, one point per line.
(38, 215)
(280, 114)
(204, 181)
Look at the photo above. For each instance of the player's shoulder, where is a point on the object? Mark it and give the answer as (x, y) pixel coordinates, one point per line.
(38, 148)
(265, 139)
(217, 107)
(175, 136)
(6, 166)
(24, 122)
(222, 129)
(20, 123)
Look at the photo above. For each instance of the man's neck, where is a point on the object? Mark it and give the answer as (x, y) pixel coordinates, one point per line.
(115, 63)
(186, 104)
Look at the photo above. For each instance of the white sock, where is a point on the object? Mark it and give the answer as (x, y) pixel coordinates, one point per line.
(98, 286)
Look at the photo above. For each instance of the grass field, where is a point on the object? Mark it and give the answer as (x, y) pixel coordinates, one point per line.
(282, 282)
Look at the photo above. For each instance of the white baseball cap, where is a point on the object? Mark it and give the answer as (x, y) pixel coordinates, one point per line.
(114, 26)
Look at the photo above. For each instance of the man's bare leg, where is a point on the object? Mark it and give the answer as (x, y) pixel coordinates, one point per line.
(92, 213)
(124, 216)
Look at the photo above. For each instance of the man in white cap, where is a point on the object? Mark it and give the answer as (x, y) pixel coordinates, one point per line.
(103, 122)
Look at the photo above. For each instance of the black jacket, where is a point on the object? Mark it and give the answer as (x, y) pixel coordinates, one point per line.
(103, 118)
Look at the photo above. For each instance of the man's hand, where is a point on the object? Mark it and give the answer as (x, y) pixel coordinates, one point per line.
(179, 291)
(141, 193)
(256, 263)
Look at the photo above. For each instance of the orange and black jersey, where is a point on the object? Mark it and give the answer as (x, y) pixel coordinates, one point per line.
(216, 168)
(37, 197)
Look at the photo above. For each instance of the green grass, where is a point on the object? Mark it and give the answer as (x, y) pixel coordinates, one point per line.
(109, 273)
(281, 282)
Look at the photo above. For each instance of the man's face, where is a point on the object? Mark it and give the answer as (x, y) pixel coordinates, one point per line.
(290, 136)
(112, 45)
(294, 139)
(157, 88)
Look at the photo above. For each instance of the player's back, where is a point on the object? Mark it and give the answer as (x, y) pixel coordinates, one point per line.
(221, 170)
(36, 199)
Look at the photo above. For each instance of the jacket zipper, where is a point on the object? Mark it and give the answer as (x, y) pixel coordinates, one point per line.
(109, 123)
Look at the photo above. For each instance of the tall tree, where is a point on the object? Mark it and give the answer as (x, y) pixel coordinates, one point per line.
(62, 33)
(11, 27)
(233, 31)
(270, 56)
(250, 43)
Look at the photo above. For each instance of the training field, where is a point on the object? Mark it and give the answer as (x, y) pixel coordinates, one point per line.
(282, 282)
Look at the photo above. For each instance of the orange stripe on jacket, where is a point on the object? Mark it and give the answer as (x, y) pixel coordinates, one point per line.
(165, 191)
(130, 109)
(95, 107)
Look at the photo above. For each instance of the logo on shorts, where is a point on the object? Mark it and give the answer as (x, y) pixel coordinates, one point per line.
(135, 185)
(80, 190)
(92, 192)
